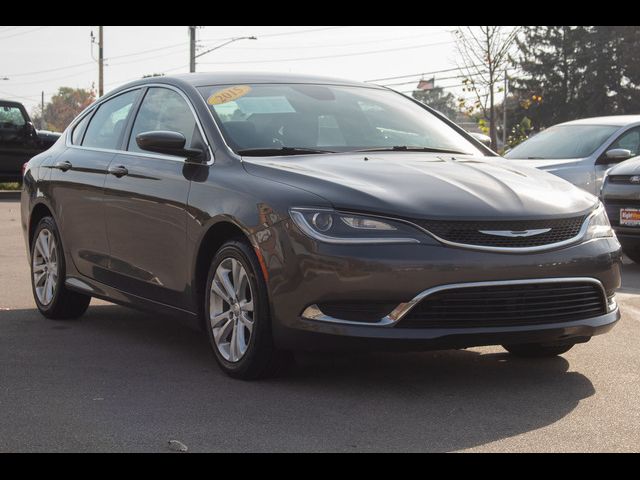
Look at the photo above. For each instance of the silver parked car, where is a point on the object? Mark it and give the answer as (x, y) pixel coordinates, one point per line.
(581, 151)
(621, 197)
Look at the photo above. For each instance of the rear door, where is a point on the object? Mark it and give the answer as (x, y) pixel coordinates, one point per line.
(146, 200)
(77, 183)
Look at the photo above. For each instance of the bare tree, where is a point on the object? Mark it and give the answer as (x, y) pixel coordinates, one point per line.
(483, 58)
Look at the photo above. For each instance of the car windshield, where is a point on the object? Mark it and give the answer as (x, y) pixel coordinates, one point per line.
(293, 119)
(563, 142)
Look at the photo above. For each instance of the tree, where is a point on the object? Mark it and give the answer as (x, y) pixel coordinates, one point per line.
(569, 72)
(64, 106)
(548, 73)
(438, 99)
(484, 56)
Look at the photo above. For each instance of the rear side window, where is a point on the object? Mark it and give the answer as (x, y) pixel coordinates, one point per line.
(11, 117)
(106, 127)
(164, 109)
(79, 129)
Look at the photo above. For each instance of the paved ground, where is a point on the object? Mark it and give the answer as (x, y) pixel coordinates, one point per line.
(120, 380)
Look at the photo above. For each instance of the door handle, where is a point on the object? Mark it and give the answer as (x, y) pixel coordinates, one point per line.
(119, 171)
(64, 165)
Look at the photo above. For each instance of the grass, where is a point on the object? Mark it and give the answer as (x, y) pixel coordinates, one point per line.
(10, 186)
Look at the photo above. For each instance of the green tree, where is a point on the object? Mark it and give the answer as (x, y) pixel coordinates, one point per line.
(569, 72)
(64, 106)
(438, 99)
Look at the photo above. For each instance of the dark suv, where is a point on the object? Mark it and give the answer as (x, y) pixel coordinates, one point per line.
(288, 212)
(19, 140)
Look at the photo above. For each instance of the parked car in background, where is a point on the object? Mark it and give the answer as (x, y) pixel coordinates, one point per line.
(292, 213)
(19, 140)
(481, 137)
(621, 196)
(581, 151)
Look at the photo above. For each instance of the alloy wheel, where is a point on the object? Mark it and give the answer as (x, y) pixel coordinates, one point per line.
(231, 309)
(45, 266)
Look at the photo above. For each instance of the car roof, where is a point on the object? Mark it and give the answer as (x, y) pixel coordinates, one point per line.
(615, 120)
(202, 79)
(11, 103)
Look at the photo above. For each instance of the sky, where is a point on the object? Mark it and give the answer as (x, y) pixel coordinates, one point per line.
(44, 58)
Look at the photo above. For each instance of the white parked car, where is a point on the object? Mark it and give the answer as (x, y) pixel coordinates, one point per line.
(581, 151)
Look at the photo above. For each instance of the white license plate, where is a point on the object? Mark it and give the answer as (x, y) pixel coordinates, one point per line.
(630, 217)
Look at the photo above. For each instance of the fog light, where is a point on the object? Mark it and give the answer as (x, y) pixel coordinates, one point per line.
(322, 221)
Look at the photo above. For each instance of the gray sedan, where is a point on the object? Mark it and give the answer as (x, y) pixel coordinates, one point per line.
(581, 151)
(621, 196)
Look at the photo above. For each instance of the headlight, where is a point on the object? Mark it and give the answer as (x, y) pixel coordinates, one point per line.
(599, 226)
(334, 227)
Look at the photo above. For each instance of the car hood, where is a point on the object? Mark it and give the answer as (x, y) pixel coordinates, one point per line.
(548, 164)
(421, 185)
(628, 167)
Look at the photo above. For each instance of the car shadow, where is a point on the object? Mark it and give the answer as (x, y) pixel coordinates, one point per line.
(158, 376)
(630, 277)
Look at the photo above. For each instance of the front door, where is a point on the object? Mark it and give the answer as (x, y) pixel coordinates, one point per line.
(146, 200)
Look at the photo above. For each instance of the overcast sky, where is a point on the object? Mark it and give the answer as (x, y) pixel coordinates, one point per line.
(39, 59)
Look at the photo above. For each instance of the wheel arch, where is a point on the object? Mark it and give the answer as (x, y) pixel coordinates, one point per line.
(38, 212)
(215, 236)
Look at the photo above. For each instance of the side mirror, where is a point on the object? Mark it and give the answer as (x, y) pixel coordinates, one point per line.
(169, 143)
(29, 129)
(618, 154)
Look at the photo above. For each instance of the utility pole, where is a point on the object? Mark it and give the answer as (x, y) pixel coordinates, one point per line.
(42, 111)
(192, 49)
(100, 62)
(504, 111)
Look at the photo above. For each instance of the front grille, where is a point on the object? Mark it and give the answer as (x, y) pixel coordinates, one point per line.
(468, 232)
(624, 179)
(507, 305)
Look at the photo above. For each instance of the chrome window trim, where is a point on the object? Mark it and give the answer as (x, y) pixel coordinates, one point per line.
(313, 312)
(160, 156)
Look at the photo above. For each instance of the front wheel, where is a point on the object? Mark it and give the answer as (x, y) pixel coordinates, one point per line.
(537, 350)
(237, 313)
(52, 298)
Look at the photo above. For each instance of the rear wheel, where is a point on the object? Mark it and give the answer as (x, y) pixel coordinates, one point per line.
(537, 350)
(52, 298)
(237, 313)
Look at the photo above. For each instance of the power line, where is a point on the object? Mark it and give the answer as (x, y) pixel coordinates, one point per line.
(417, 74)
(23, 33)
(371, 52)
(338, 45)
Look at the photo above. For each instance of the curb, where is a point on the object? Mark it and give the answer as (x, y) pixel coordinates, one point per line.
(10, 194)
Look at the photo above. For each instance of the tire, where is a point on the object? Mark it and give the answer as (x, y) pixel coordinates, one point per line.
(537, 350)
(58, 302)
(226, 322)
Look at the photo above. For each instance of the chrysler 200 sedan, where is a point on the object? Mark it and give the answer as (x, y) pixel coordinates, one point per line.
(292, 213)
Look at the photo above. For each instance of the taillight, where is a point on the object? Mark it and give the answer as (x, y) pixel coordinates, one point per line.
(24, 169)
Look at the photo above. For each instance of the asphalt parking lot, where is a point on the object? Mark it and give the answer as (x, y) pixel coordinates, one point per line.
(121, 380)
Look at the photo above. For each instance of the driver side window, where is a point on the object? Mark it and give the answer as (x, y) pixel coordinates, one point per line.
(165, 109)
(629, 140)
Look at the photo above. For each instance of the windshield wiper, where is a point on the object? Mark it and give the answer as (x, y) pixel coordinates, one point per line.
(260, 152)
(404, 148)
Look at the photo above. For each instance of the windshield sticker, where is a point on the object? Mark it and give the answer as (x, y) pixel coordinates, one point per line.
(265, 105)
(228, 94)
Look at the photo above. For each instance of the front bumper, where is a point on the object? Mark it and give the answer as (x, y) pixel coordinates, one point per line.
(303, 273)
